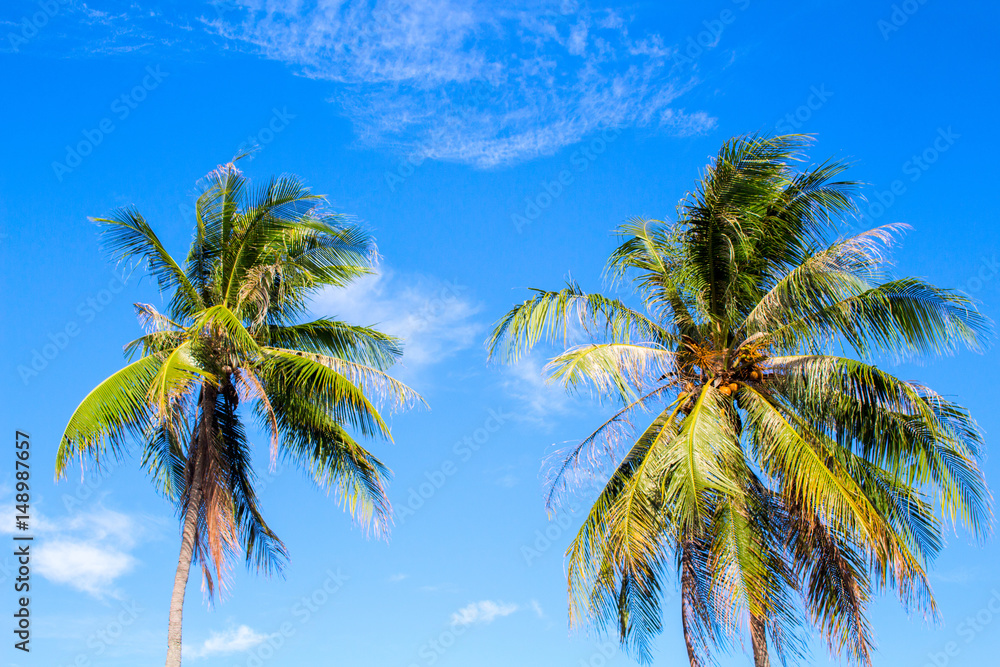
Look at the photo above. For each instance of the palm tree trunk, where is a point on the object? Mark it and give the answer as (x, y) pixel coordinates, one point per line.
(197, 452)
(758, 635)
(181, 577)
(688, 611)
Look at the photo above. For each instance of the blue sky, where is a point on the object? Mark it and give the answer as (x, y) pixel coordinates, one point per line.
(444, 126)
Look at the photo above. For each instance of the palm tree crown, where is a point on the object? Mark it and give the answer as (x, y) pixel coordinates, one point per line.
(232, 338)
(782, 484)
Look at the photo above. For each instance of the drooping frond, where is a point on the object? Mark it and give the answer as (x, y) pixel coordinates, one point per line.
(551, 316)
(116, 411)
(619, 558)
(623, 370)
(905, 316)
(835, 585)
(916, 434)
(703, 460)
(233, 338)
(336, 385)
(127, 236)
(334, 460)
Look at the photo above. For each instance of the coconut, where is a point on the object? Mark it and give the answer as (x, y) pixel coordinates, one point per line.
(725, 390)
(733, 386)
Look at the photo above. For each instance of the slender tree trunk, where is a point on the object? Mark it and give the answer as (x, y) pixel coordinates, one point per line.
(189, 533)
(181, 577)
(758, 635)
(688, 611)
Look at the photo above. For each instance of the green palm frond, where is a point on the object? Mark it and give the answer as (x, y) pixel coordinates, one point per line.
(920, 437)
(789, 486)
(127, 235)
(287, 371)
(332, 338)
(233, 337)
(116, 411)
(551, 316)
(618, 560)
(841, 271)
(620, 369)
(835, 585)
(903, 316)
(335, 461)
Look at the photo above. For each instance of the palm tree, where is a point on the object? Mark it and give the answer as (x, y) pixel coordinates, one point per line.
(782, 481)
(231, 338)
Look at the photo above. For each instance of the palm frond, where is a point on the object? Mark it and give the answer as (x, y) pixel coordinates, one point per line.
(551, 316)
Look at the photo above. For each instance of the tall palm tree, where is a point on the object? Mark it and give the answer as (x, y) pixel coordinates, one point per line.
(232, 346)
(781, 481)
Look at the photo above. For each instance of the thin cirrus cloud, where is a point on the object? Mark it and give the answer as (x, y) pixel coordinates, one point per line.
(539, 400)
(233, 640)
(87, 550)
(484, 611)
(480, 84)
(433, 317)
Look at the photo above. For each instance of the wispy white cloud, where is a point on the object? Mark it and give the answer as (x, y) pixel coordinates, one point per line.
(77, 29)
(462, 81)
(508, 481)
(540, 401)
(233, 640)
(396, 578)
(86, 550)
(484, 611)
(85, 565)
(434, 318)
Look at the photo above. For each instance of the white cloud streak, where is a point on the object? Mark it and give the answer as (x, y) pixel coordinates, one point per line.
(462, 81)
(484, 611)
(541, 401)
(87, 550)
(87, 566)
(434, 318)
(234, 640)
